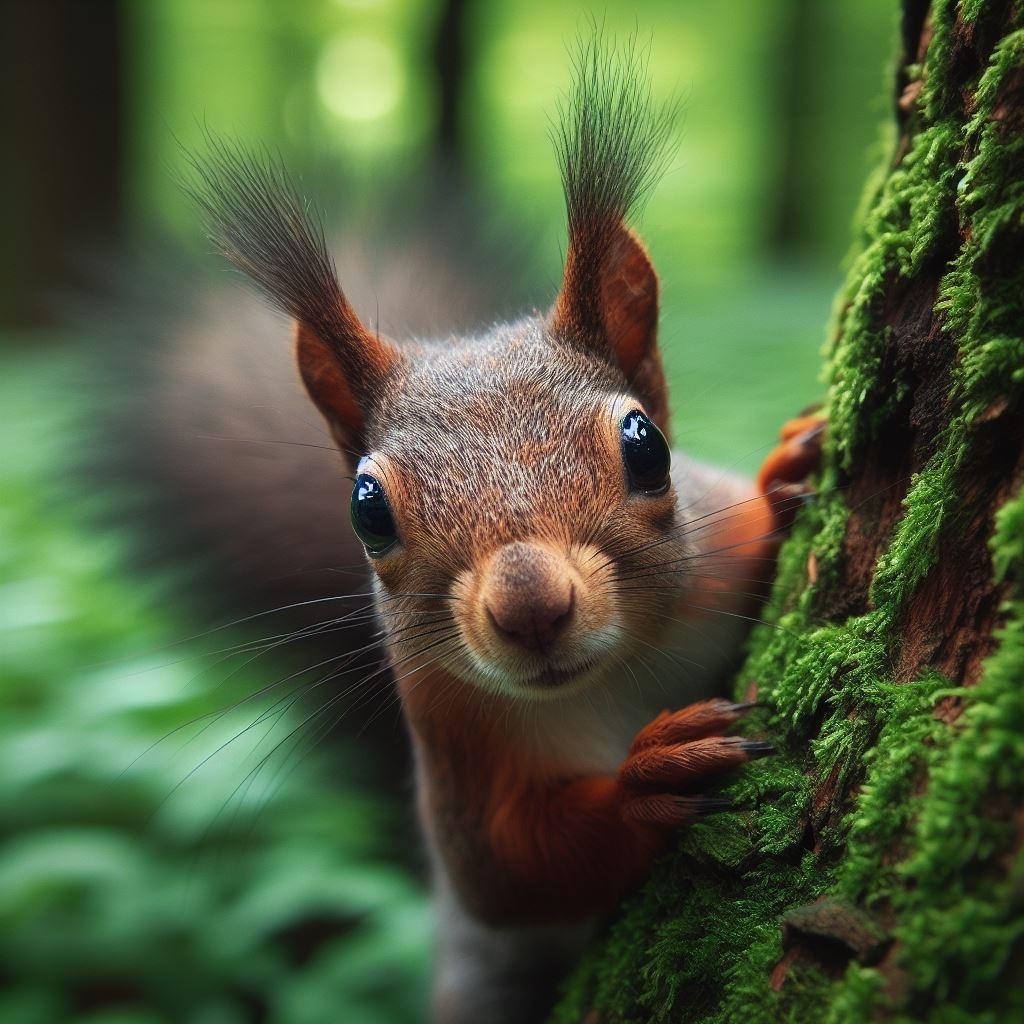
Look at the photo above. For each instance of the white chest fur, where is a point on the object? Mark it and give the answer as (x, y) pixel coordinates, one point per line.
(591, 731)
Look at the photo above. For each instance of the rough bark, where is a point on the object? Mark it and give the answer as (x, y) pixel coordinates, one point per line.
(876, 870)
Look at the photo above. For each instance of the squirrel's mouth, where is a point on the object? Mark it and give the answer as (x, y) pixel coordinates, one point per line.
(553, 677)
(546, 680)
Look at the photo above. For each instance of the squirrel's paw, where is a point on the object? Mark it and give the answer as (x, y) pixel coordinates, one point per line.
(783, 475)
(676, 754)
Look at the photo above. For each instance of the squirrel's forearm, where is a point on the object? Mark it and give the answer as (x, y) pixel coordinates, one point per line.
(521, 838)
(566, 849)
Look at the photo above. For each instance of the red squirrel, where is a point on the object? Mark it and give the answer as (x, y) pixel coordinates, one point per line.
(549, 574)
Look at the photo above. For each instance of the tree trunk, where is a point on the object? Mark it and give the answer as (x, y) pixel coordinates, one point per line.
(875, 870)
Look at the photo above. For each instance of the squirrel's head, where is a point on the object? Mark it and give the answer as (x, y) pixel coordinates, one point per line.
(506, 486)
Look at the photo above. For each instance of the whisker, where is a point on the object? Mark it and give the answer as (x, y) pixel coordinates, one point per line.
(332, 701)
(373, 595)
(212, 717)
(454, 640)
(314, 739)
(264, 440)
(688, 529)
(702, 608)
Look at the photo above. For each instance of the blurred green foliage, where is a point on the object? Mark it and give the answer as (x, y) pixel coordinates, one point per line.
(134, 891)
(353, 79)
(781, 106)
(189, 884)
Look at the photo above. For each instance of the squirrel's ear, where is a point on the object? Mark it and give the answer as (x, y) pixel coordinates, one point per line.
(612, 143)
(629, 301)
(611, 298)
(260, 221)
(344, 389)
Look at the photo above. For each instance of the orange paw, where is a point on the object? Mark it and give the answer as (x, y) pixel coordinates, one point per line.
(783, 475)
(675, 755)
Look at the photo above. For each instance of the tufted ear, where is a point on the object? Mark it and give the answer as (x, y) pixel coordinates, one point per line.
(612, 143)
(256, 216)
(345, 387)
(614, 308)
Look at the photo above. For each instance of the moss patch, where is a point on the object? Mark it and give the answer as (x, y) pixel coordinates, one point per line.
(897, 799)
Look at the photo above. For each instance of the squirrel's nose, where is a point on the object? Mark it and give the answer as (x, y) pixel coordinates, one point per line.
(529, 595)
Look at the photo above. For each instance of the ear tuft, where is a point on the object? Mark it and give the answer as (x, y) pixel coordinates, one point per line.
(612, 143)
(258, 219)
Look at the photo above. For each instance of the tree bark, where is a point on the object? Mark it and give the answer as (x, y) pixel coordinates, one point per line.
(876, 870)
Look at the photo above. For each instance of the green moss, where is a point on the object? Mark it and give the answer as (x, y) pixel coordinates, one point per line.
(920, 836)
(913, 212)
(960, 920)
(971, 10)
(937, 91)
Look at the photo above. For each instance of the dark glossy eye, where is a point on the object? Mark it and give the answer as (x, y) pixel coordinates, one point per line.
(371, 515)
(645, 453)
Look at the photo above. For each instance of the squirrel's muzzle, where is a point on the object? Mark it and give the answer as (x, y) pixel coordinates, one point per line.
(529, 593)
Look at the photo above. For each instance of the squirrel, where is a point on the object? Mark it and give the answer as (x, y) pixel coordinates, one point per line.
(534, 543)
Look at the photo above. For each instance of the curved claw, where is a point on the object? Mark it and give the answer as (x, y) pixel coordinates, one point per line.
(673, 810)
(694, 722)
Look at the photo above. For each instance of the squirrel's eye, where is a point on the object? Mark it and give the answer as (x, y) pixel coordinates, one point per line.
(645, 453)
(371, 515)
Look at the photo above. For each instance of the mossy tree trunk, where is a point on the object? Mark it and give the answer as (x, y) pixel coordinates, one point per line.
(878, 872)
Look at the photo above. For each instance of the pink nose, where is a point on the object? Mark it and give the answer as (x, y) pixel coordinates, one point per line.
(529, 595)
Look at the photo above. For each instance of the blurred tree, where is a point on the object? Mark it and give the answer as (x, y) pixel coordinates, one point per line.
(787, 222)
(878, 873)
(60, 79)
(450, 64)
